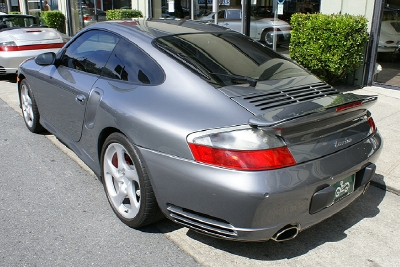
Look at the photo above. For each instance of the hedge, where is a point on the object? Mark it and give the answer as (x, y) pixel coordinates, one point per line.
(116, 14)
(54, 19)
(330, 46)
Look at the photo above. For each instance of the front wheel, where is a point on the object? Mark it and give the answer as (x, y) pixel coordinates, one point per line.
(29, 108)
(269, 38)
(126, 183)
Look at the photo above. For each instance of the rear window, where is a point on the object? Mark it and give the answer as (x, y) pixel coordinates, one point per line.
(228, 58)
(16, 21)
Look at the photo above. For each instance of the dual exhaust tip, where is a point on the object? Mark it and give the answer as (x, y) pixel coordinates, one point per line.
(288, 232)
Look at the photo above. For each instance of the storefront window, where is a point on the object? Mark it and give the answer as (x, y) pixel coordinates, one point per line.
(387, 69)
(85, 13)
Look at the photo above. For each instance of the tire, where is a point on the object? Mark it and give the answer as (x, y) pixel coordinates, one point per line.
(126, 183)
(269, 38)
(29, 108)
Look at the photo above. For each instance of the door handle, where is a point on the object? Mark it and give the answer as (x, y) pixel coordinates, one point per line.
(80, 99)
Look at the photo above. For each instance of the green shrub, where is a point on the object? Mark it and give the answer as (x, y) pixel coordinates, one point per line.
(330, 46)
(54, 19)
(14, 12)
(115, 14)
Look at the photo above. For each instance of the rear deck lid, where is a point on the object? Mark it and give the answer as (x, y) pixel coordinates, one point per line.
(35, 35)
(314, 120)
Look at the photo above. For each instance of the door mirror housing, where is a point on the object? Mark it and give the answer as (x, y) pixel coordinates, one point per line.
(46, 59)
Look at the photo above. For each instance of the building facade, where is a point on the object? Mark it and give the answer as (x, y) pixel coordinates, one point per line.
(371, 9)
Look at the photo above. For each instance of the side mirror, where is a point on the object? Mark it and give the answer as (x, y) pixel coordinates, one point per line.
(46, 59)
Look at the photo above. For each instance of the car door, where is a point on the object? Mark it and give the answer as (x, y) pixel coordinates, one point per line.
(70, 81)
(231, 19)
(128, 70)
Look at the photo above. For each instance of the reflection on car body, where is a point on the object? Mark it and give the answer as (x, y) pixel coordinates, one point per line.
(91, 16)
(261, 29)
(389, 37)
(173, 126)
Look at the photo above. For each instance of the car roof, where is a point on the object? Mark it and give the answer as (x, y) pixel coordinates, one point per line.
(155, 28)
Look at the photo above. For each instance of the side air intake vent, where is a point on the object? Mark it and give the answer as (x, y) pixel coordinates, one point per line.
(278, 98)
(201, 222)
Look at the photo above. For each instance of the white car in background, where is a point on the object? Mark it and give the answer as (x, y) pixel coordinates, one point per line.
(389, 38)
(21, 37)
(261, 29)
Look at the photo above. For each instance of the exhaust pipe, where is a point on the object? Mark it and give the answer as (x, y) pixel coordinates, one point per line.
(286, 233)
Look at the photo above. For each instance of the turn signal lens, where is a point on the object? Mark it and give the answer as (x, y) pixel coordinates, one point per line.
(240, 148)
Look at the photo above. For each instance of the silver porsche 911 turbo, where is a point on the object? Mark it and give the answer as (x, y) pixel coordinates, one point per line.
(21, 37)
(204, 126)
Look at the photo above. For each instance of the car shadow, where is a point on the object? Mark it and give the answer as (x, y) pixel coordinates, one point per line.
(12, 78)
(332, 229)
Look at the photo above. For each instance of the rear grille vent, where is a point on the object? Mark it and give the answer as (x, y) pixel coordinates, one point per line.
(2, 70)
(289, 96)
(201, 222)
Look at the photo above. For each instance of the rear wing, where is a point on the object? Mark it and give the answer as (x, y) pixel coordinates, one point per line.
(316, 109)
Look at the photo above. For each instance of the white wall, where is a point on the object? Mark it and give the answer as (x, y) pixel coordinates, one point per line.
(141, 5)
(353, 7)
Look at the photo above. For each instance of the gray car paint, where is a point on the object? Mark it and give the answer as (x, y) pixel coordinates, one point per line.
(157, 119)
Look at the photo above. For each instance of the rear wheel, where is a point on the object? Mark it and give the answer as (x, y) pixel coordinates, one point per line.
(29, 108)
(126, 183)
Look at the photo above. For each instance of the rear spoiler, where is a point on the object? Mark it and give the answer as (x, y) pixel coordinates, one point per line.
(316, 109)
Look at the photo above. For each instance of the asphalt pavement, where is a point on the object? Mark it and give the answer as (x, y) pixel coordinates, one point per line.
(53, 211)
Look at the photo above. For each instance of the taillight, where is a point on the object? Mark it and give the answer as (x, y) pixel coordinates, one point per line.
(372, 124)
(240, 148)
(87, 17)
(7, 46)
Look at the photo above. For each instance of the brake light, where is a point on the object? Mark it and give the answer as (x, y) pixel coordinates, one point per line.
(348, 106)
(87, 17)
(240, 148)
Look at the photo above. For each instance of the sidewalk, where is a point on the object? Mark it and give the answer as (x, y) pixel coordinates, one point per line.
(386, 114)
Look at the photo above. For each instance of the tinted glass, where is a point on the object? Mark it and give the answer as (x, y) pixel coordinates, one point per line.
(129, 63)
(10, 21)
(229, 58)
(90, 51)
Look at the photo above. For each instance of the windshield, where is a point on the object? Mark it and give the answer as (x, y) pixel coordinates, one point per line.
(228, 58)
(15, 21)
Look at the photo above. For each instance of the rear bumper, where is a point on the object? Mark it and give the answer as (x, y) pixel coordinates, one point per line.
(253, 206)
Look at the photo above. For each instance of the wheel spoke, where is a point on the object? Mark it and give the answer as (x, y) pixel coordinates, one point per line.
(26, 102)
(118, 198)
(132, 175)
(133, 197)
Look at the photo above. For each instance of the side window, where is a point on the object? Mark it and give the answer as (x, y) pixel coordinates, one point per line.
(130, 63)
(90, 51)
